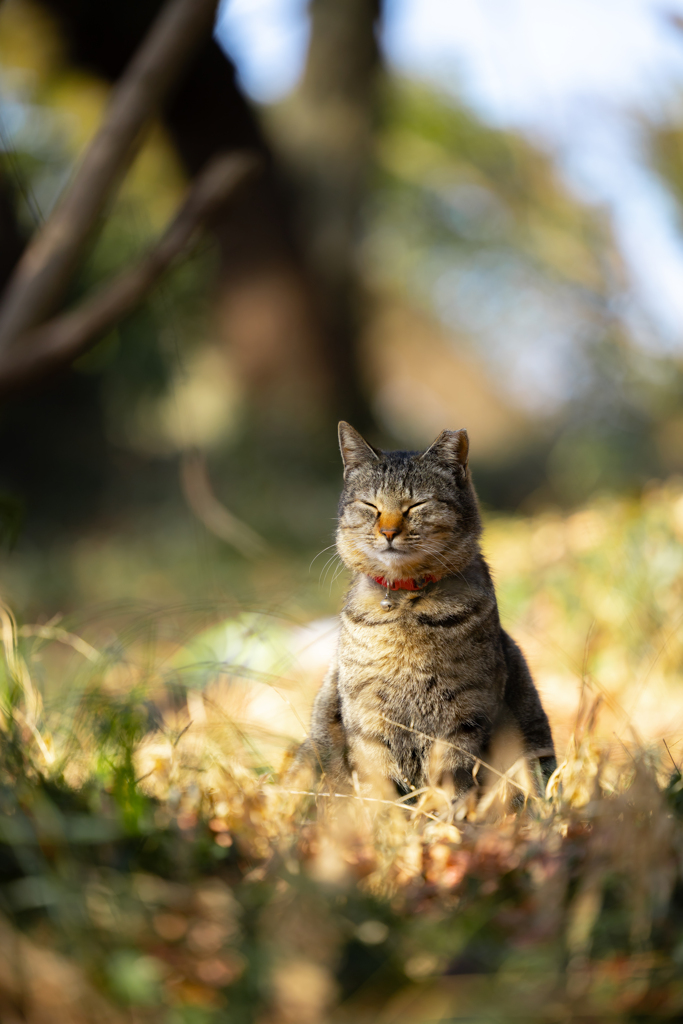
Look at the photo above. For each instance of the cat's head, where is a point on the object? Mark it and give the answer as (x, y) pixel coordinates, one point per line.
(403, 515)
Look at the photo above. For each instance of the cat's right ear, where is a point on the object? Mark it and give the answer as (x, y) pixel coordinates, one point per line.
(452, 448)
(355, 450)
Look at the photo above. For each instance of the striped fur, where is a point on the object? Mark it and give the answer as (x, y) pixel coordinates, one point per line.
(437, 663)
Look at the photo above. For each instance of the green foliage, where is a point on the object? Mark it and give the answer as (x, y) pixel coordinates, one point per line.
(450, 186)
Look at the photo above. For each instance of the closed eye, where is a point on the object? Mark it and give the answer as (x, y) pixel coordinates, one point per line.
(417, 504)
(369, 504)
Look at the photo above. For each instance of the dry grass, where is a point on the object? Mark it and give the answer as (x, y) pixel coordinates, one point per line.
(149, 856)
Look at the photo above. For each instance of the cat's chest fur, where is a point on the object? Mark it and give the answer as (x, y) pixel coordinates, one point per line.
(432, 662)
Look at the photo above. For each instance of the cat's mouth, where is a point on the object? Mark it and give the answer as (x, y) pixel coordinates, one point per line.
(399, 561)
(391, 555)
(387, 547)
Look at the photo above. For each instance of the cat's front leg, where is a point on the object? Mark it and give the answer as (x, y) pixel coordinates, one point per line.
(371, 760)
(324, 752)
(454, 763)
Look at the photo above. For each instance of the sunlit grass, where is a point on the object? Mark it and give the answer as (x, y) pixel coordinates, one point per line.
(151, 843)
(596, 600)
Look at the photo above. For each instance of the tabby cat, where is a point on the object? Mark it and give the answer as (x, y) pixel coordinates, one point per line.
(421, 653)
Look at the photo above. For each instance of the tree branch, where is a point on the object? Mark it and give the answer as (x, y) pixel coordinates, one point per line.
(198, 493)
(44, 349)
(44, 271)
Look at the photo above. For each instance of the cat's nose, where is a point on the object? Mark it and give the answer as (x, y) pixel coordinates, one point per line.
(389, 532)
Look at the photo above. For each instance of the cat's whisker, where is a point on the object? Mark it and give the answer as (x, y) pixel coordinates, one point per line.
(329, 567)
(458, 573)
(328, 548)
(333, 576)
(329, 559)
(337, 574)
(320, 574)
(326, 568)
(432, 552)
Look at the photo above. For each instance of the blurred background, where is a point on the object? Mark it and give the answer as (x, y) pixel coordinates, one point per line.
(469, 215)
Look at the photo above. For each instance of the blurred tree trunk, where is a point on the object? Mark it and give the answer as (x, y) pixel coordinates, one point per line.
(11, 237)
(288, 296)
(325, 139)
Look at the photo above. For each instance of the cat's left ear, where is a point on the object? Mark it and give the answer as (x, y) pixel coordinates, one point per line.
(355, 450)
(452, 448)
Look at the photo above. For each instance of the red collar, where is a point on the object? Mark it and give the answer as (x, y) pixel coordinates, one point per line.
(418, 584)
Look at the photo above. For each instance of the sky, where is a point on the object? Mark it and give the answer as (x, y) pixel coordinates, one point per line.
(574, 74)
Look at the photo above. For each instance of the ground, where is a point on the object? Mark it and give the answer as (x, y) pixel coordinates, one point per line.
(153, 867)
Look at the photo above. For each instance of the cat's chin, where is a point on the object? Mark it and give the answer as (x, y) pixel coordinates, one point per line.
(395, 562)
